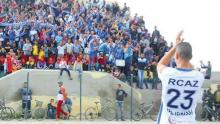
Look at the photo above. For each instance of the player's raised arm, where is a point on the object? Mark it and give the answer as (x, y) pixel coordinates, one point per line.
(169, 55)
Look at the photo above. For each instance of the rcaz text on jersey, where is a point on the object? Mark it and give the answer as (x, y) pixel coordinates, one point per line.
(186, 83)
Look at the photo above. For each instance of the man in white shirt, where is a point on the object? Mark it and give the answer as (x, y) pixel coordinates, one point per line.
(180, 86)
(61, 49)
(27, 48)
(69, 47)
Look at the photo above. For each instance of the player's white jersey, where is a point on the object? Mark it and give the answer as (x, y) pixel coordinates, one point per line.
(181, 89)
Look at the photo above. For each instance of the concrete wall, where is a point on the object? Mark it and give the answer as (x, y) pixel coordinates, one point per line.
(94, 84)
(44, 83)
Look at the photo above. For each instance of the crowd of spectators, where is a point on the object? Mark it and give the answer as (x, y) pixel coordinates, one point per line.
(102, 35)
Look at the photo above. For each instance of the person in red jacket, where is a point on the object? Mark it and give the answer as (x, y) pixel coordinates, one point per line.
(8, 64)
(101, 62)
(51, 62)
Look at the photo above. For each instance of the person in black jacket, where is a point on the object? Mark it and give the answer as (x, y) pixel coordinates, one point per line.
(120, 95)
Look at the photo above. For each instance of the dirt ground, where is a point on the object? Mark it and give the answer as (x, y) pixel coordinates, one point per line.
(88, 122)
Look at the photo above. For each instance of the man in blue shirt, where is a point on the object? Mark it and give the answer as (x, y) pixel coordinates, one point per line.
(142, 62)
(59, 38)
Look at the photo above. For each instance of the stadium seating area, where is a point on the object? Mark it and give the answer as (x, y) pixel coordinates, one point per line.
(103, 35)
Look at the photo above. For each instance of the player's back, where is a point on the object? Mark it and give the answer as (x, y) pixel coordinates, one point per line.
(180, 93)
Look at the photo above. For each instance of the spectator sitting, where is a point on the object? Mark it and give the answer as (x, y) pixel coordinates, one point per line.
(64, 67)
(108, 68)
(116, 73)
(148, 77)
(30, 63)
(41, 64)
(24, 60)
(51, 110)
(86, 62)
(16, 64)
(78, 65)
(51, 62)
(41, 54)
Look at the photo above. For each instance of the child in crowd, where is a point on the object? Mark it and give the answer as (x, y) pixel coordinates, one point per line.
(35, 50)
(16, 64)
(51, 110)
(101, 62)
(116, 73)
(30, 64)
(51, 62)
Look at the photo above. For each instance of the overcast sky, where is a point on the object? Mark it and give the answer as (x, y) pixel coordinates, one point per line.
(200, 20)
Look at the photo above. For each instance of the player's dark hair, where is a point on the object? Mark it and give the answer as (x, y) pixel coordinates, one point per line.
(184, 50)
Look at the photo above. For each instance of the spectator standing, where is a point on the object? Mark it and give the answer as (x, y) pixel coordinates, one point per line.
(8, 64)
(148, 77)
(35, 50)
(142, 63)
(208, 68)
(128, 58)
(156, 33)
(69, 47)
(120, 96)
(61, 50)
(53, 50)
(153, 67)
(27, 48)
(76, 48)
(46, 51)
(144, 42)
(59, 38)
(78, 65)
(101, 62)
(93, 50)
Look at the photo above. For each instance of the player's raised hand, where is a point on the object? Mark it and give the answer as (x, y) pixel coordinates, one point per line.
(179, 38)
